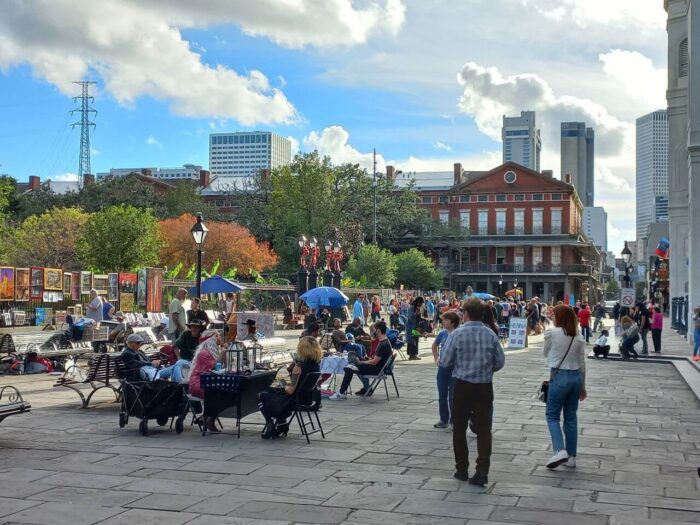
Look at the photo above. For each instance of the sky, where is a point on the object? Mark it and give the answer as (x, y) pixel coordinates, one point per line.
(425, 82)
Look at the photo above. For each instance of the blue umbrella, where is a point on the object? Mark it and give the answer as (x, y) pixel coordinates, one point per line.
(325, 296)
(483, 295)
(218, 284)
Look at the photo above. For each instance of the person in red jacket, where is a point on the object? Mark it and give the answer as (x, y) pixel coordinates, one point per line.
(584, 319)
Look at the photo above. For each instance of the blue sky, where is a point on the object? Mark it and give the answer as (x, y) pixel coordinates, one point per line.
(425, 82)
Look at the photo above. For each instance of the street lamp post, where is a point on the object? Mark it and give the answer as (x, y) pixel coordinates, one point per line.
(313, 274)
(303, 273)
(199, 234)
(627, 258)
(328, 272)
(337, 257)
(500, 284)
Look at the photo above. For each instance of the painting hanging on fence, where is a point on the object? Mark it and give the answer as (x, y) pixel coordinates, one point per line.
(85, 283)
(113, 293)
(21, 284)
(53, 279)
(141, 289)
(36, 279)
(67, 281)
(101, 284)
(75, 286)
(7, 284)
(127, 291)
(39, 316)
(154, 295)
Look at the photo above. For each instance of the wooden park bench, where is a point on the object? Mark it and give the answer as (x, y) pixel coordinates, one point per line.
(102, 373)
(11, 402)
(25, 343)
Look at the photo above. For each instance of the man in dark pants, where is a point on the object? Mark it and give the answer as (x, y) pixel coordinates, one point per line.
(474, 352)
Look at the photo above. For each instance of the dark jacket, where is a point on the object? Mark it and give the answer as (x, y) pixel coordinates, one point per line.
(134, 359)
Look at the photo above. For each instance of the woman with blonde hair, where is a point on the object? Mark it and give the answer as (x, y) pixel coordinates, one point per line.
(206, 356)
(565, 352)
(276, 404)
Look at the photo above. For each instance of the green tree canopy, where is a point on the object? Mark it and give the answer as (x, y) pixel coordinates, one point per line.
(49, 239)
(372, 266)
(612, 290)
(415, 270)
(120, 239)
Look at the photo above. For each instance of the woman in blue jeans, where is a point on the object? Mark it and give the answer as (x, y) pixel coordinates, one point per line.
(565, 352)
(450, 321)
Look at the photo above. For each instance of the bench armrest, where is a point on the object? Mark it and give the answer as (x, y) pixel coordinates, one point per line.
(12, 395)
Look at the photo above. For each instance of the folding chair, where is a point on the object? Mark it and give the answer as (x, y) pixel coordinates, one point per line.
(386, 371)
(311, 388)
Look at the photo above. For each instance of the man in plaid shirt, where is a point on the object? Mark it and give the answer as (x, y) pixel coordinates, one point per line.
(474, 353)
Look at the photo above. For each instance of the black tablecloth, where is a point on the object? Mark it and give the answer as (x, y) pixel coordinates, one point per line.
(236, 396)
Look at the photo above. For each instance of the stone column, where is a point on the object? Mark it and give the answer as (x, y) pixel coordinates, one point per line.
(547, 294)
(693, 162)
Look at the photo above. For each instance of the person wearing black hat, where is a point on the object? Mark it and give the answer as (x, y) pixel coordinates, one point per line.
(187, 343)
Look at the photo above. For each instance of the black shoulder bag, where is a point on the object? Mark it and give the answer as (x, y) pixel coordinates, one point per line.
(544, 387)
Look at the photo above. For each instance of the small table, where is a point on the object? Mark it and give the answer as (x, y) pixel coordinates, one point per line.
(333, 365)
(239, 398)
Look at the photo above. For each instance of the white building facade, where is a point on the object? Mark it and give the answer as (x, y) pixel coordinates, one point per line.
(244, 154)
(577, 159)
(186, 172)
(521, 140)
(595, 226)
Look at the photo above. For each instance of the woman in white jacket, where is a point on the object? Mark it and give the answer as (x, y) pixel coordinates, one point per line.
(565, 352)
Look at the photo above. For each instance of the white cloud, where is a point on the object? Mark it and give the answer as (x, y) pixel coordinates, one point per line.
(95, 151)
(152, 141)
(480, 161)
(587, 12)
(333, 141)
(65, 177)
(295, 145)
(440, 145)
(637, 75)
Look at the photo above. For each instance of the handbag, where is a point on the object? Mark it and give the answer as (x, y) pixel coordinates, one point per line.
(544, 387)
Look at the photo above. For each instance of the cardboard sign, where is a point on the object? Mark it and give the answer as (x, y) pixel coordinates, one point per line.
(517, 332)
(627, 297)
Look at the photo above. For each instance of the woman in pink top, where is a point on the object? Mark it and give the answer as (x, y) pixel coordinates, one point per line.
(205, 358)
(657, 325)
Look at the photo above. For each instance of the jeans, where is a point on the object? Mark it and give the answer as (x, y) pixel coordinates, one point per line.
(472, 402)
(643, 336)
(586, 332)
(173, 372)
(598, 320)
(627, 347)
(364, 370)
(564, 391)
(445, 386)
(656, 339)
(354, 347)
(696, 340)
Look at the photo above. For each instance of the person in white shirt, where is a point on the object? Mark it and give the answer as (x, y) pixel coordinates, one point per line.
(94, 308)
(601, 346)
(176, 315)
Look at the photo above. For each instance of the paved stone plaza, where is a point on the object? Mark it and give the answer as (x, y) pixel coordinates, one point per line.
(381, 463)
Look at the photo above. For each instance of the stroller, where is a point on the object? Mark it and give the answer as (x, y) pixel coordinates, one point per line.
(397, 341)
(159, 400)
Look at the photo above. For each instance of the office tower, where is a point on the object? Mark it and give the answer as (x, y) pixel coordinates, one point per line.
(577, 159)
(521, 140)
(243, 154)
(595, 226)
(652, 170)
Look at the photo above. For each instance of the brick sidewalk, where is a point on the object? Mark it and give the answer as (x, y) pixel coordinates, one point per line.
(382, 462)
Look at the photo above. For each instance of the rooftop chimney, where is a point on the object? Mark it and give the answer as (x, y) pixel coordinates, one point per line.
(88, 179)
(567, 178)
(203, 178)
(390, 173)
(457, 173)
(34, 182)
(548, 173)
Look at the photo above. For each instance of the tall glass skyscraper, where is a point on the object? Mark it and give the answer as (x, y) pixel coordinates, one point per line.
(577, 159)
(652, 170)
(521, 140)
(243, 154)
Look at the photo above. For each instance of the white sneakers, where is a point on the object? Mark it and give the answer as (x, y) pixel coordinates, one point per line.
(338, 396)
(557, 459)
(571, 462)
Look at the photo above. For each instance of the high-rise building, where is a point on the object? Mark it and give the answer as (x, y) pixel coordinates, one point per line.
(243, 154)
(595, 226)
(577, 159)
(652, 170)
(521, 140)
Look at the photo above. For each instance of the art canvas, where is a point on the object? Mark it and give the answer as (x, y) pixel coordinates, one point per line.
(154, 294)
(141, 288)
(128, 283)
(85, 283)
(36, 279)
(126, 302)
(21, 284)
(113, 293)
(7, 284)
(40, 316)
(53, 279)
(67, 283)
(101, 284)
(75, 286)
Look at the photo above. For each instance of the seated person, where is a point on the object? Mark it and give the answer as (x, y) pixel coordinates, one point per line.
(325, 317)
(276, 404)
(310, 318)
(342, 342)
(314, 330)
(253, 334)
(195, 313)
(143, 368)
(367, 368)
(186, 344)
(118, 333)
(361, 337)
(601, 346)
(205, 358)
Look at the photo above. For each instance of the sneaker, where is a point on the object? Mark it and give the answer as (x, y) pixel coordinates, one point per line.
(338, 396)
(571, 462)
(440, 424)
(479, 479)
(557, 459)
(414, 358)
(696, 358)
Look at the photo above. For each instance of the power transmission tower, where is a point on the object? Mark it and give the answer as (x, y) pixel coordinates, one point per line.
(85, 109)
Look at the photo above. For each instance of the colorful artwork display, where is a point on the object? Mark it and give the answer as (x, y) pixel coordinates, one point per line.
(21, 284)
(113, 293)
(75, 286)
(53, 279)
(101, 284)
(85, 283)
(141, 289)
(7, 284)
(36, 279)
(154, 294)
(128, 282)
(67, 283)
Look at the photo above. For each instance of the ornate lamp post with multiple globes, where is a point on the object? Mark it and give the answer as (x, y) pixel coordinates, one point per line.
(199, 234)
(303, 273)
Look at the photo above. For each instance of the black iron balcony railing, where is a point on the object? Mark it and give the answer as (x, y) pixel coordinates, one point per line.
(520, 268)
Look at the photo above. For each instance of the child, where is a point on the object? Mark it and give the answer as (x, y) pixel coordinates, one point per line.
(601, 346)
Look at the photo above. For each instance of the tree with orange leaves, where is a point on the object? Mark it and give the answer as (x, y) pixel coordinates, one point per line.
(230, 243)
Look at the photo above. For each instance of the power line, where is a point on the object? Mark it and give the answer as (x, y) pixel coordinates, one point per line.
(85, 109)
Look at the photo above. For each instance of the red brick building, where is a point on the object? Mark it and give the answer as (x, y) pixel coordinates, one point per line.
(513, 225)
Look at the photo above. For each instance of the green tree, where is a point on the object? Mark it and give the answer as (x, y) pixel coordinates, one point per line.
(120, 239)
(49, 239)
(415, 270)
(612, 290)
(372, 266)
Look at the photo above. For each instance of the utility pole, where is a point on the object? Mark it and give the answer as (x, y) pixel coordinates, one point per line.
(84, 109)
(374, 192)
